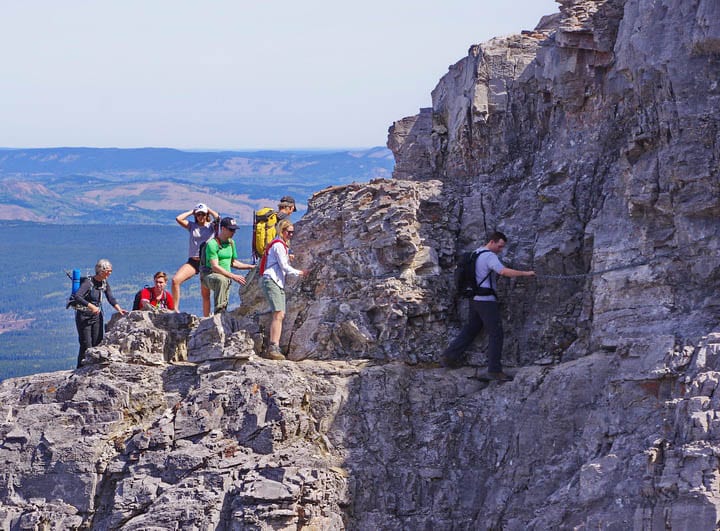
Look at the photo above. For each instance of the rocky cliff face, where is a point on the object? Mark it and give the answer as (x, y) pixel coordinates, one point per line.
(593, 142)
(593, 146)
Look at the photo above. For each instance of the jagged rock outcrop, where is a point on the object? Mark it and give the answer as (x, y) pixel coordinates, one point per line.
(380, 256)
(594, 145)
(244, 443)
(593, 141)
(231, 441)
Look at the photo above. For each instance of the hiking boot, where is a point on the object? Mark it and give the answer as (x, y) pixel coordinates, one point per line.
(499, 376)
(273, 353)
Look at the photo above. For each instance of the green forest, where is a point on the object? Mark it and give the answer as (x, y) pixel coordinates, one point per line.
(34, 285)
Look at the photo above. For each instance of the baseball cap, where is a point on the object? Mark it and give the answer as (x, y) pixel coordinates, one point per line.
(201, 207)
(288, 201)
(228, 223)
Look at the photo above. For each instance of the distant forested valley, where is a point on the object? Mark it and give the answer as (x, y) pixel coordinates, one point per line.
(34, 287)
(64, 208)
(151, 185)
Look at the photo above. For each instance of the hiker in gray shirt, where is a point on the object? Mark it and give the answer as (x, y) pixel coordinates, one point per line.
(484, 310)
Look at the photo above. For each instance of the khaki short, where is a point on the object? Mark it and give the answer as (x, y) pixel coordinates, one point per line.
(220, 286)
(274, 294)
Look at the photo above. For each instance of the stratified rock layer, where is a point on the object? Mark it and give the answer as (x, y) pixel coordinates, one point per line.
(237, 442)
(595, 147)
(380, 257)
(593, 142)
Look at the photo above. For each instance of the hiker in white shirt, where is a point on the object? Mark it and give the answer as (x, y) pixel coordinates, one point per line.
(275, 265)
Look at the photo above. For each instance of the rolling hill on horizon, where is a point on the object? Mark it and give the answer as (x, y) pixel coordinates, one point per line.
(152, 185)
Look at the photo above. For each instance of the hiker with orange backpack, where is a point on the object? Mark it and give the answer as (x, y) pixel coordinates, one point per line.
(275, 265)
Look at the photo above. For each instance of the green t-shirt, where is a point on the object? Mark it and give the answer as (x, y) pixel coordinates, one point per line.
(224, 254)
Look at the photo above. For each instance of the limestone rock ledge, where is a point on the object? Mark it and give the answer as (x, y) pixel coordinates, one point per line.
(239, 442)
(593, 142)
(133, 442)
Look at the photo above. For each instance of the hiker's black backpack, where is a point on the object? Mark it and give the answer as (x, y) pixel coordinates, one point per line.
(204, 268)
(137, 299)
(466, 275)
(201, 251)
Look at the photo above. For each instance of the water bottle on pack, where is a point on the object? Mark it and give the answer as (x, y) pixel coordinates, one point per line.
(75, 281)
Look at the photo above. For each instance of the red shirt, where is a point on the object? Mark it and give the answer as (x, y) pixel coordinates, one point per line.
(165, 302)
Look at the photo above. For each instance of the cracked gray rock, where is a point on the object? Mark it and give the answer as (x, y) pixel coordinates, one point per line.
(593, 142)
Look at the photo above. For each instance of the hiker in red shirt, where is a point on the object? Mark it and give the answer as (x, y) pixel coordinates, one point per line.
(156, 298)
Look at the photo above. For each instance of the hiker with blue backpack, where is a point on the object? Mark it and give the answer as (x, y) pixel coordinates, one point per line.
(484, 309)
(87, 302)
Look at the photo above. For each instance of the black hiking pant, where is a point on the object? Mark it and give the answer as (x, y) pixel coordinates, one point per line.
(90, 332)
(482, 314)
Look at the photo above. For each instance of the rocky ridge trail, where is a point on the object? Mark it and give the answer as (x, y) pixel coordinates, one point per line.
(232, 441)
(593, 141)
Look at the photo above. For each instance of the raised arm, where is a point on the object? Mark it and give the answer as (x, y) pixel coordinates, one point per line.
(182, 219)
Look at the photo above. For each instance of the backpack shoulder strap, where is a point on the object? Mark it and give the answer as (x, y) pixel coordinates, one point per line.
(483, 251)
(263, 260)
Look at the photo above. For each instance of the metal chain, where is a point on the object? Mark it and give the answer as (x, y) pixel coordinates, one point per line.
(594, 273)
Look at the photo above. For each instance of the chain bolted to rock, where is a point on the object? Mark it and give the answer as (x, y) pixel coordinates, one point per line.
(593, 273)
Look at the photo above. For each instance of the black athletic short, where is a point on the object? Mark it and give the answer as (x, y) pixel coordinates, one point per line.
(195, 262)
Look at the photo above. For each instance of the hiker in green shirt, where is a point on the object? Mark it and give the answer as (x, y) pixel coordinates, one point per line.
(220, 257)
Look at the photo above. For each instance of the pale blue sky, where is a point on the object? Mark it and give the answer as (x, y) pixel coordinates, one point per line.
(232, 74)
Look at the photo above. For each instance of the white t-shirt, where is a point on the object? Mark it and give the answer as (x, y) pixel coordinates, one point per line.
(199, 234)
